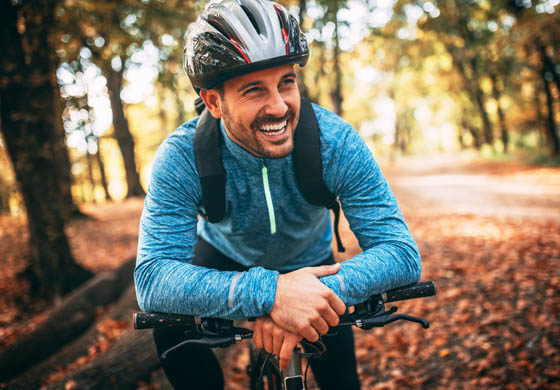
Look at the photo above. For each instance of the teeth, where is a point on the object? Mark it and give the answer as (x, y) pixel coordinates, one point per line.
(273, 127)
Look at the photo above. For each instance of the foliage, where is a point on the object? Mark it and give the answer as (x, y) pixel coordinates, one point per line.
(413, 75)
(494, 84)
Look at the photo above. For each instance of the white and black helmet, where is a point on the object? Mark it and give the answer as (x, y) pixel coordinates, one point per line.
(235, 37)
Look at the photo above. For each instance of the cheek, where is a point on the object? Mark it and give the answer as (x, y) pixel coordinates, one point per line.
(249, 117)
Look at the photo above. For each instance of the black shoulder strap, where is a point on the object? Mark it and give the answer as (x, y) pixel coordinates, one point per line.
(308, 165)
(199, 105)
(208, 156)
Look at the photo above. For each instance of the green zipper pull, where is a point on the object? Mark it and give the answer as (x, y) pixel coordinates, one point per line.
(268, 199)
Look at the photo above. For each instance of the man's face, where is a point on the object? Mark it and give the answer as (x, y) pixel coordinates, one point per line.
(260, 111)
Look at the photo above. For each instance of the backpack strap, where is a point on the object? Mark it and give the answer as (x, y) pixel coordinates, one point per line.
(308, 165)
(208, 157)
(199, 105)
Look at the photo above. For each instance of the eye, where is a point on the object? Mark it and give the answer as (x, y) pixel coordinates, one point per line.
(289, 81)
(251, 91)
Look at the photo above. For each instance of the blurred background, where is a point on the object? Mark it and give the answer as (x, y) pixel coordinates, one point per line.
(459, 101)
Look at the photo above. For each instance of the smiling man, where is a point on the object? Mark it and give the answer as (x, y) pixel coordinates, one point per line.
(264, 248)
(260, 110)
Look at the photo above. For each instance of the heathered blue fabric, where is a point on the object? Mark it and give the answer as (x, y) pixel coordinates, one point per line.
(166, 281)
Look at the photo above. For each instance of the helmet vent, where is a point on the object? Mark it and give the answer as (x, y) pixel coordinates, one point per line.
(214, 22)
(280, 17)
(251, 18)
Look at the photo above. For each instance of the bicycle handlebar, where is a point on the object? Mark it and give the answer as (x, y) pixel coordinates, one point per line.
(418, 290)
(142, 320)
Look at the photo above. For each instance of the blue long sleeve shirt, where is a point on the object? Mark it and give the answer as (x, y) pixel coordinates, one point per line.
(268, 226)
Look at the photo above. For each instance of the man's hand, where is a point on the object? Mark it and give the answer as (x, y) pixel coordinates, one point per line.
(275, 339)
(305, 306)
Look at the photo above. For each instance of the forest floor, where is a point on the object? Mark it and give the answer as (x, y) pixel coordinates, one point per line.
(489, 235)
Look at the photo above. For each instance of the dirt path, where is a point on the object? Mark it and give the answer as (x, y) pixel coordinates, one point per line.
(452, 184)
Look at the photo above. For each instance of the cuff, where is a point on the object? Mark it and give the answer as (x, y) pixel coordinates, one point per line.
(258, 290)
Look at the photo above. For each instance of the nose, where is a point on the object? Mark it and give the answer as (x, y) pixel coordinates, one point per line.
(276, 106)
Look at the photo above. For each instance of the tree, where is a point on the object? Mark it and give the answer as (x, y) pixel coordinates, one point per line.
(114, 32)
(28, 124)
(539, 32)
(62, 158)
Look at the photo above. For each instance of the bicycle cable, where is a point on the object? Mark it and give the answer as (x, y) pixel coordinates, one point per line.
(262, 367)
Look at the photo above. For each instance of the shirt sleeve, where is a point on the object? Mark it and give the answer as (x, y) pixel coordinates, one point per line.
(390, 257)
(165, 278)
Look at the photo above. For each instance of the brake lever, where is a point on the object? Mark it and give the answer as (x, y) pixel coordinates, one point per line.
(385, 318)
(425, 324)
(212, 342)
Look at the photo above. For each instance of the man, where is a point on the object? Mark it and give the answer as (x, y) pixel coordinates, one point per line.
(270, 256)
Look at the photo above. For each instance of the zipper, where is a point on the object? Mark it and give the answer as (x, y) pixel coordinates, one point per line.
(268, 197)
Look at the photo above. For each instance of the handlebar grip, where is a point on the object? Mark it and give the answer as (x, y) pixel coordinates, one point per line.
(143, 320)
(419, 290)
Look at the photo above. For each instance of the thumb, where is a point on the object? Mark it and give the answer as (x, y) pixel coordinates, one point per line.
(324, 270)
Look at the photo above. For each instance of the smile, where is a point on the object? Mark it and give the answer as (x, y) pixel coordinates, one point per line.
(274, 128)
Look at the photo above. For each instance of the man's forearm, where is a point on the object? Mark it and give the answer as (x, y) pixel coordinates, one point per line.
(180, 287)
(375, 270)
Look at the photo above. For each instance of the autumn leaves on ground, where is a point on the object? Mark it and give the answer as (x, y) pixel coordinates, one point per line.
(489, 234)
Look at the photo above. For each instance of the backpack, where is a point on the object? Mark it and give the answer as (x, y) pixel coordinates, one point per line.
(308, 164)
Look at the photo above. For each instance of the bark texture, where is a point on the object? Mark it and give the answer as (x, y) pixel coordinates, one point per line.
(122, 132)
(35, 377)
(65, 322)
(28, 124)
(128, 361)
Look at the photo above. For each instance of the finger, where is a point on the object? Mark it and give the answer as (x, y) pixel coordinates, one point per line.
(309, 333)
(286, 351)
(324, 270)
(277, 341)
(330, 315)
(337, 304)
(257, 334)
(320, 326)
(268, 336)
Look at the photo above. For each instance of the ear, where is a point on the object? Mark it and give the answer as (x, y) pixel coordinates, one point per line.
(211, 99)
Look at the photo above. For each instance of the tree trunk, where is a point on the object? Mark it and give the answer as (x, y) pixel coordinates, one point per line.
(102, 170)
(62, 158)
(303, 90)
(66, 321)
(90, 177)
(474, 92)
(122, 132)
(336, 92)
(467, 127)
(462, 58)
(548, 64)
(479, 98)
(318, 76)
(130, 359)
(28, 124)
(540, 121)
(181, 112)
(551, 128)
(80, 347)
(400, 141)
(502, 119)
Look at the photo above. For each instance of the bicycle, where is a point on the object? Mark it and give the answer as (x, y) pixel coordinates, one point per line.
(263, 369)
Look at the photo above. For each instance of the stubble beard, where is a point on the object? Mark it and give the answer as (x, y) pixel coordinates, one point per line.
(252, 143)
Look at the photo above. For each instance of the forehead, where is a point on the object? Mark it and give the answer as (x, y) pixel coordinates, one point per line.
(264, 76)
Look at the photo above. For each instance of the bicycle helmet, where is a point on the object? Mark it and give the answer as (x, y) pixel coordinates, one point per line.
(236, 37)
